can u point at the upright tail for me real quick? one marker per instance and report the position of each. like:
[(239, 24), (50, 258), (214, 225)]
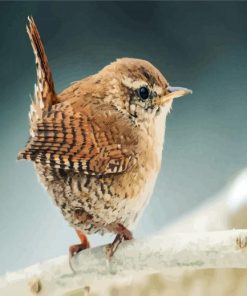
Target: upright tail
[(44, 91)]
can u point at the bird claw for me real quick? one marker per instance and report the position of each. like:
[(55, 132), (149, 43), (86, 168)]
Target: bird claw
[(74, 250), (111, 248), (71, 265)]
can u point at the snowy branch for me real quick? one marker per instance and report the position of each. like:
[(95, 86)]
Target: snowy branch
[(197, 250)]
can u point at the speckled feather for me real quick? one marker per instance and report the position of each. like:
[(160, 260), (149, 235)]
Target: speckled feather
[(96, 147)]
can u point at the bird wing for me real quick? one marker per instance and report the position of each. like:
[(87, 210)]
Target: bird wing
[(95, 143)]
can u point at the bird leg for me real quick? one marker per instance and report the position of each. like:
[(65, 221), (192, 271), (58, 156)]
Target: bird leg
[(74, 249), (122, 234)]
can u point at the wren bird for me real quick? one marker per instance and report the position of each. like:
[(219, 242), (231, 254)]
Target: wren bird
[(97, 145)]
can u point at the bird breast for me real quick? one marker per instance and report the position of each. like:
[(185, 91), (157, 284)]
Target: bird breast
[(149, 164)]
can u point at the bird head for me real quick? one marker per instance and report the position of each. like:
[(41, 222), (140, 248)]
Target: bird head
[(138, 88)]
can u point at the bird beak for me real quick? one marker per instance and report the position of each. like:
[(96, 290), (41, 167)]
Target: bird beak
[(173, 92)]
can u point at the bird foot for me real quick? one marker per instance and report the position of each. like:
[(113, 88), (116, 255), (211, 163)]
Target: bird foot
[(111, 248), (122, 234), (75, 249)]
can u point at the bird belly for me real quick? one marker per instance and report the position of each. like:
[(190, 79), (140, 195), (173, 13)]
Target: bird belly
[(140, 202), (92, 204)]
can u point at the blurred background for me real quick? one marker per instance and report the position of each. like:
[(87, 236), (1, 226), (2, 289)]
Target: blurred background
[(202, 46)]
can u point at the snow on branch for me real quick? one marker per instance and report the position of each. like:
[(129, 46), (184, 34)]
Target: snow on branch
[(197, 250)]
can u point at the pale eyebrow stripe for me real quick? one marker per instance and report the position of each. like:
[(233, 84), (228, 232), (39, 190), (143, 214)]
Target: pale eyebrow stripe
[(134, 84)]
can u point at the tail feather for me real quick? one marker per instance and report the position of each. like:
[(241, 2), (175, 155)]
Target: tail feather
[(44, 91)]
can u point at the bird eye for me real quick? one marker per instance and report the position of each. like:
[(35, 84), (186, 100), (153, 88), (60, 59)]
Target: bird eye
[(144, 92)]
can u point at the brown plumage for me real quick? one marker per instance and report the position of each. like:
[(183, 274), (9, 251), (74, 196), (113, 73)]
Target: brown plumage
[(97, 145)]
